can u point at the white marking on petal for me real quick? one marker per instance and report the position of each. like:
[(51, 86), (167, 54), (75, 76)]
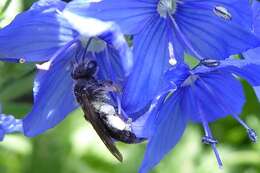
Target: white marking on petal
[(87, 27), (44, 66), (172, 59)]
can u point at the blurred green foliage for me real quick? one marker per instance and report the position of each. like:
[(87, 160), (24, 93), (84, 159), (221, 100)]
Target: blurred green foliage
[(74, 147)]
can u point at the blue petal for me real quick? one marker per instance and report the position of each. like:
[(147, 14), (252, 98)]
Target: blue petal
[(8, 124), (219, 94), (110, 65), (212, 36), (47, 4), (256, 19), (36, 34), (255, 53), (131, 15), (144, 126), (170, 125), (177, 74), (248, 69), (118, 49), (257, 91), (249, 72), (54, 98), (150, 63), (252, 54)]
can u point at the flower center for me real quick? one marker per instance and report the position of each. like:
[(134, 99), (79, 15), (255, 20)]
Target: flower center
[(93, 44), (166, 7), (190, 80)]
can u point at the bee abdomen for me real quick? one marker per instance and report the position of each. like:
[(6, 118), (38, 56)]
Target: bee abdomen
[(125, 136), (116, 126)]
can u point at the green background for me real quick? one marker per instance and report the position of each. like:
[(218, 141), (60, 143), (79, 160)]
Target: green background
[(74, 147)]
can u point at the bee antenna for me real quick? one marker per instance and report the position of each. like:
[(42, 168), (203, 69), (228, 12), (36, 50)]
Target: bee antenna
[(86, 49), (77, 55)]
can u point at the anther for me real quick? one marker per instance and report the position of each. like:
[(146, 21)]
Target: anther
[(250, 132), (222, 12), (21, 60), (209, 140), (252, 135), (210, 62)]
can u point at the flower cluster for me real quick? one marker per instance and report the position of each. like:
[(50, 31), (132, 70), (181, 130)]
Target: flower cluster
[(159, 92)]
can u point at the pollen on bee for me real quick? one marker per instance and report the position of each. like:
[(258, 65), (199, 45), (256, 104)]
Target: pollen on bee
[(222, 12)]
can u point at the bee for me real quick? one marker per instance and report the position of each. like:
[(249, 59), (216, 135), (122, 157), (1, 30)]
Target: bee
[(93, 97)]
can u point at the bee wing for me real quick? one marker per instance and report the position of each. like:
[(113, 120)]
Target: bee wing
[(100, 128)]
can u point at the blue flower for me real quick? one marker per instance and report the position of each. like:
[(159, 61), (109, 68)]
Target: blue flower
[(212, 29), (8, 124), (46, 32), (255, 53), (204, 94)]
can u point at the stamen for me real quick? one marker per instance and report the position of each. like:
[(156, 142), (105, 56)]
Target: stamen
[(209, 140), (252, 135), (222, 12), (184, 39), (22, 60), (172, 59), (210, 62), (250, 132)]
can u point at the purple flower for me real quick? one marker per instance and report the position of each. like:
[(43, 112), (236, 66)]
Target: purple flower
[(255, 53)]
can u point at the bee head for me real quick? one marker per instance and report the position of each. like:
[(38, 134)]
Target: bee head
[(84, 70)]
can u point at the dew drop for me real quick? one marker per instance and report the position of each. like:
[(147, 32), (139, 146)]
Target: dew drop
[(222, 12)]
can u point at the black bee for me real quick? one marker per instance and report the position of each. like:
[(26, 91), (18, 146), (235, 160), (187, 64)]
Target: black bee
[(92, 95)]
